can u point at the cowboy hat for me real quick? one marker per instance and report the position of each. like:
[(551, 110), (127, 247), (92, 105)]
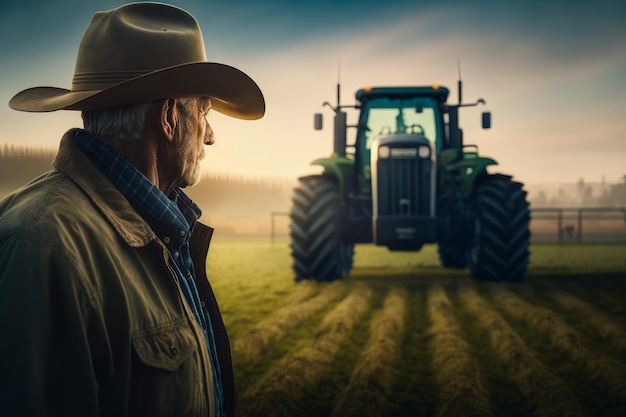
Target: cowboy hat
[(141, 52)]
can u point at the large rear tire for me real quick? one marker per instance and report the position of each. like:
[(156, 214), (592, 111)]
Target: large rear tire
[(451, 254), (316, 230), (499, 249), (451, 247)]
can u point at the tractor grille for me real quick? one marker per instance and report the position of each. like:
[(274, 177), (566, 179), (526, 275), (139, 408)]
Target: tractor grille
[(404, 184)]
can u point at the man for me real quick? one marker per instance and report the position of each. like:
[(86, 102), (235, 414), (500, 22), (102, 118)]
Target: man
[(105, 308)]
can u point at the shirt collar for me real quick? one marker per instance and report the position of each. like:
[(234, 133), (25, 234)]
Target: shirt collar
[(171, 217)]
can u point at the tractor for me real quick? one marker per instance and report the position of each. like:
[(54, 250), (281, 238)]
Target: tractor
[(407, 180)]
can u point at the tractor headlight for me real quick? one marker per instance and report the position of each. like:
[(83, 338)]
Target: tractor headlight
[(424, 152), (383, 152)]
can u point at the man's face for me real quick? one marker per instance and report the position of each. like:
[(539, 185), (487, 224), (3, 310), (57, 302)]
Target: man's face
[(195, 132)]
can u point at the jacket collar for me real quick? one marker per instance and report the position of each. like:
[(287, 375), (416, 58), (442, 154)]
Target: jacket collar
[(71, 161), (172, 217)]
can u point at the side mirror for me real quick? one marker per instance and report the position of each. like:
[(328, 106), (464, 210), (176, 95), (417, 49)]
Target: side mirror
[(486, 120), (318, 121)]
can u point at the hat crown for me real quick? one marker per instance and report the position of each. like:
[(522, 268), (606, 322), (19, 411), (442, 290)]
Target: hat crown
[(141, 52), (133, 40)]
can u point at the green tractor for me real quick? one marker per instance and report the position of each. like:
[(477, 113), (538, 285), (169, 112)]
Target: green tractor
[(408, 180)]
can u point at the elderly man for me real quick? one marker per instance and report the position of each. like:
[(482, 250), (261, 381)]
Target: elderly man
[(105, 307)]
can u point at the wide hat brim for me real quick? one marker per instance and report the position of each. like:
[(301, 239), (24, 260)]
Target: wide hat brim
[(232, 92)]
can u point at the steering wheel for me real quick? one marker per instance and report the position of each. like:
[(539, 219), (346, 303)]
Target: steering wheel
[(416, 129)]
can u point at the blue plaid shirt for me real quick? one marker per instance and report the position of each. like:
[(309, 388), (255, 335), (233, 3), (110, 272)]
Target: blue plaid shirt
[(171, 218)]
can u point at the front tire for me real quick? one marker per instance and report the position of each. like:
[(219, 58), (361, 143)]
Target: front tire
[(317, 216), (499, 249)]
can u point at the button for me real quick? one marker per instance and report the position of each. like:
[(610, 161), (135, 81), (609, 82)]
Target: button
[(173, 350), (177, 254), (166, 239), (182, 233)]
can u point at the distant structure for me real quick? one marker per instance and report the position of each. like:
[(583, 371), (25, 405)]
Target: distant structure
[(581, 194)]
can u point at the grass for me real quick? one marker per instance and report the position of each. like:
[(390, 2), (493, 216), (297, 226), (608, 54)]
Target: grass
[(278, 392), (415, 339), (577, 259), (462, 389), (372, 380), (566, 339), (263, 334), (604, 326), (547, 393)]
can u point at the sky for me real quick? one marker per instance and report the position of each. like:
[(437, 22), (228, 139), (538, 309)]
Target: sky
[(552, 73)]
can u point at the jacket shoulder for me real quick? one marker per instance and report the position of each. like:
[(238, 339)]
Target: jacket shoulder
[(43, 205)]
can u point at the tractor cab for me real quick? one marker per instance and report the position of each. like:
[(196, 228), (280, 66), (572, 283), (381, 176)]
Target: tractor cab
[(399, 133), (390, 111)]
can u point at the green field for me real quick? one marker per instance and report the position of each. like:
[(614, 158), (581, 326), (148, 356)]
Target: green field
[(403, 337)]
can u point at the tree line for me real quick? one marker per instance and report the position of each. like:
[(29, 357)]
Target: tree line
[(220, 193), (582, 194), (20, 164)]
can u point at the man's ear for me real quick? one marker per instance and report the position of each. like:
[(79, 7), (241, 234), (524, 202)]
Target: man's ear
[(168, 119)]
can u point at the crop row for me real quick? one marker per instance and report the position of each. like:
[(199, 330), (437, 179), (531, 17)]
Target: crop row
[(485, 349)]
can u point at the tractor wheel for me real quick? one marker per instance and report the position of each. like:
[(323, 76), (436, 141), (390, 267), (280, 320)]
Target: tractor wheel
[(451, 254), (499, 249), (451, 249), (317, 247)]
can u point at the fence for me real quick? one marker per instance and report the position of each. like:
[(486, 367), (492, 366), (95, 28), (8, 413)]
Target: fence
[(583, 215), (564, 232), (273, 216)]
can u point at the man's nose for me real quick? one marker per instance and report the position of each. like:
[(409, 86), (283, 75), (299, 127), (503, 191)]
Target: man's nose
[(209, 137)]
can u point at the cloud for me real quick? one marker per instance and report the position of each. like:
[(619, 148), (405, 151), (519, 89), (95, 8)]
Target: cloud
[(551, 113), (553, 73)]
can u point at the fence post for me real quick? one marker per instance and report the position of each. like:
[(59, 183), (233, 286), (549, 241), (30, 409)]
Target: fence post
[(580, 225), (272, 215), (272, 228)]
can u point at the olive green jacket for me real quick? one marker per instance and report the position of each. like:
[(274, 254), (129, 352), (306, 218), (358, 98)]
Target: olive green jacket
[(93, 321)]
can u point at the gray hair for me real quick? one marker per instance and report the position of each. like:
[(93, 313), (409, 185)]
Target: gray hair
[(187, 104), (125, 122)]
